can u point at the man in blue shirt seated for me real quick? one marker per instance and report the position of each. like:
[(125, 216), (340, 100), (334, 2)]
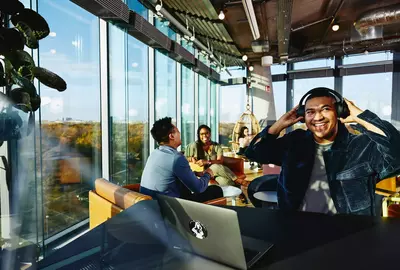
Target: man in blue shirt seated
[(167, 171)]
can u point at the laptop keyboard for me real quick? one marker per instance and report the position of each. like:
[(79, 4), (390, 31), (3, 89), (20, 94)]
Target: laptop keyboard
[(249, 254)]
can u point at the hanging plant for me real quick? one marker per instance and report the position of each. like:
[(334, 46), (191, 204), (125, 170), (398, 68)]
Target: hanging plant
[(18, 69)]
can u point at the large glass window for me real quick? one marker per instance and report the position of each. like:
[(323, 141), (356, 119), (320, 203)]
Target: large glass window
[(318, 63), (365, 58), (70, 139), (165, 80), (232, 105), (128, 106), (278, 69), (302, 86), (370, 91), (279, 90), (213, 110), (203, 100), (188, 129), (237, 72)]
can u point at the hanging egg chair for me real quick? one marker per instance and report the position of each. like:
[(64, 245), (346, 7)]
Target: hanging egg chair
[(248, 120)]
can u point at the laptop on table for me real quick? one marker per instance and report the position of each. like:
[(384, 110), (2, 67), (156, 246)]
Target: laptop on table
[(210, 232)]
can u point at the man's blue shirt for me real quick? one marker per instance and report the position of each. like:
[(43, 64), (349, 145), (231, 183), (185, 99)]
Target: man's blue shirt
[(165, 172)]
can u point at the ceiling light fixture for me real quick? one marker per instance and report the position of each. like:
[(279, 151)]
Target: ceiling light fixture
[(159, 6), (251, 68), (251, 17), (335, 27), (221, 15), (244, 57)]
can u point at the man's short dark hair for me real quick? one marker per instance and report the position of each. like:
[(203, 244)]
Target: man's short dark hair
[(161, 130), (321, 94)]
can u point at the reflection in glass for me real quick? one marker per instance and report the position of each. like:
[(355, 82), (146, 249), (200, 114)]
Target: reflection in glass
[(165, 79), (128, 107), (279, 90), (237, 72), (165, 87), (370, 57), (203, 101), (213, 111), (232, 105), (70, 141), (187, 91), (370, 91), (319, 63), (278, 69)]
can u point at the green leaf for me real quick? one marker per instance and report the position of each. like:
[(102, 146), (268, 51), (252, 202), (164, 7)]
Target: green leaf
[(21, 99), (35, 103), (11, 7), (10, 40), (19, 59), (32, 19), (24, 83), (30, 39), (49, 78), (3, 81)]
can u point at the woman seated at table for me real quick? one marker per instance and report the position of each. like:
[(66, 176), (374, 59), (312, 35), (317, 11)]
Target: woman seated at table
[(206, 153)]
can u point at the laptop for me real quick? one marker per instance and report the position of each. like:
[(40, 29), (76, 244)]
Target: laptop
[(209, 231)]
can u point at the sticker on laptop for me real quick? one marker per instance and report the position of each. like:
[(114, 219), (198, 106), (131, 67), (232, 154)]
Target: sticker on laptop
[(197, 229)]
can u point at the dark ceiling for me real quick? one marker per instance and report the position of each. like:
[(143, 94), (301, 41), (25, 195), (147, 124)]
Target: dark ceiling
[(309, 33)]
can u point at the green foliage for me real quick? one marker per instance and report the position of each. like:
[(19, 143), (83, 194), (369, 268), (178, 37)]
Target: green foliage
[(18, 69)]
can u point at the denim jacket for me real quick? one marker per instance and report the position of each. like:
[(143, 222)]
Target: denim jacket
[(354, 164)]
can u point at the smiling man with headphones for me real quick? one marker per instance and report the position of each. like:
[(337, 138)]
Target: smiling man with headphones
[(326, 169)]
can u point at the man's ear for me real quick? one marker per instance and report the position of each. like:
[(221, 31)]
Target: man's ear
[(171, 136)]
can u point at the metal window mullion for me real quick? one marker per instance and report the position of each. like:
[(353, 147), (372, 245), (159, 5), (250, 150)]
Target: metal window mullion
[(217, 98), (151, 93), (289, 93), (178, 92), (338, 80), (196, 100), (208, 108), (105, 102)]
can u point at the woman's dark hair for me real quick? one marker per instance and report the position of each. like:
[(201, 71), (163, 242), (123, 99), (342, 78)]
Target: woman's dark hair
[(199, 143), (161, 130), (241, 132)]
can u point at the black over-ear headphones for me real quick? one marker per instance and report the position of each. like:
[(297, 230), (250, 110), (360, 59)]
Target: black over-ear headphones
[(341, 106)]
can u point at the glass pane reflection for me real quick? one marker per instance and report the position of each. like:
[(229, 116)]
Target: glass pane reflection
[(70, 139), (187, 130)]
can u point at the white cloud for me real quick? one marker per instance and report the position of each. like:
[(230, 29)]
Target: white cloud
[(133, 112), (186, 108), (56, 105), (45, 101), (160, 104)]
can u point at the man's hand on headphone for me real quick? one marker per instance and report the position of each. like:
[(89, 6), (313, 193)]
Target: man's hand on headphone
[(354, 112), (288, 119)]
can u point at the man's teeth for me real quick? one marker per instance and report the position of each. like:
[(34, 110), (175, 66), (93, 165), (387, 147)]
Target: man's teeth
[(318, 125)]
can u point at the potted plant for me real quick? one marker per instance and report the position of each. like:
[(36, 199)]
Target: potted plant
[(20, 27)]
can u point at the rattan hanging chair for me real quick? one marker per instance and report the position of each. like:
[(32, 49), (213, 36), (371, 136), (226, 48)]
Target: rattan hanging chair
[(246, 119)]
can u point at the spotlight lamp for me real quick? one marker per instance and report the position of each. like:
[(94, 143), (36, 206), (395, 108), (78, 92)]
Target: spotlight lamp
[(335, 27), (251, 68), (221, 15), (159, 6), (244, 57)]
